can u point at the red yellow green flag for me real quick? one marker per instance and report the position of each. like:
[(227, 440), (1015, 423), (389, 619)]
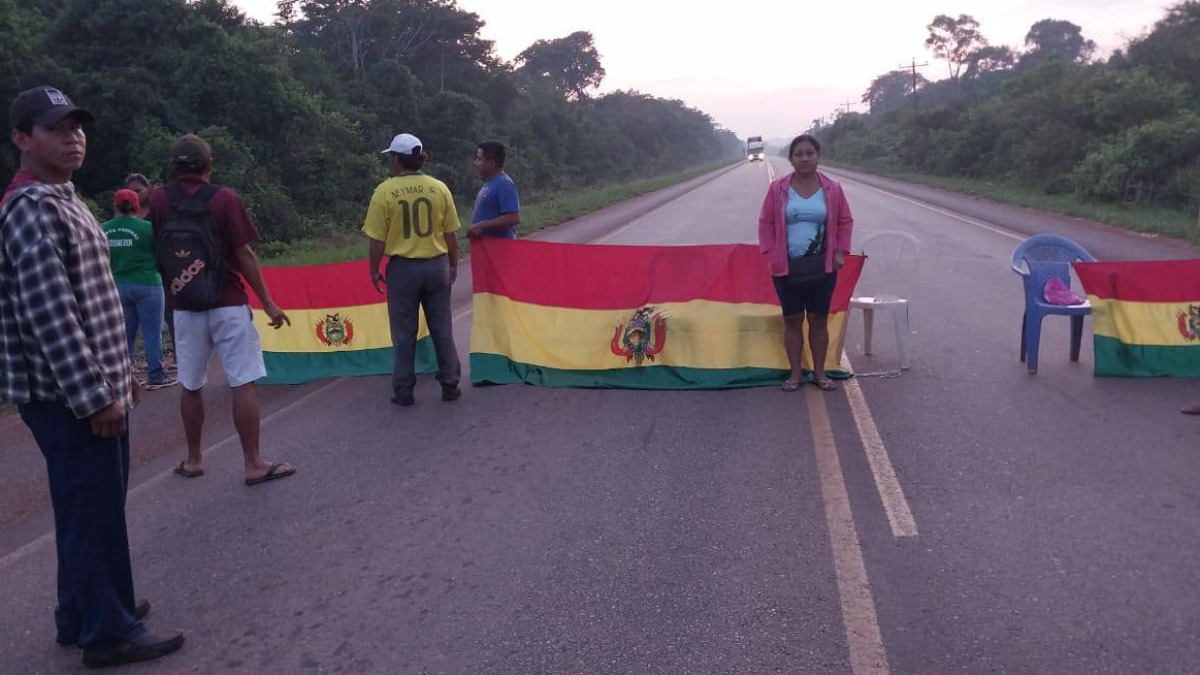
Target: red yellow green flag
[(1145, 316), (339, 325), (639, 317)]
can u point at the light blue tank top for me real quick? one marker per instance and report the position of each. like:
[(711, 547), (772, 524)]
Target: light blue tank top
[(805, 221)]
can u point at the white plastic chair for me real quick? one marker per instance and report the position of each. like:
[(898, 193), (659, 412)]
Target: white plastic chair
[(886, 284)]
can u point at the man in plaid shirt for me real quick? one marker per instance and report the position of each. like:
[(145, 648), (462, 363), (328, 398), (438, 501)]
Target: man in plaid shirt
[(65, 363)]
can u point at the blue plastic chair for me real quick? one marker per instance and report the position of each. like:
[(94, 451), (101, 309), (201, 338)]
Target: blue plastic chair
[(1038, 260)]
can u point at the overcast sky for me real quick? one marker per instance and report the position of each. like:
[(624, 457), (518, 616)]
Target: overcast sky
[(769, 67)]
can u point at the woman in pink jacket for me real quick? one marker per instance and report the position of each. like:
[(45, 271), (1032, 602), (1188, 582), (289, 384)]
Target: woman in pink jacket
[(804, 233)]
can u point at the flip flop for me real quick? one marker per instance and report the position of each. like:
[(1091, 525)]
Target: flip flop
[(187, 473), (790, 385), (272, 474), (826, 385)]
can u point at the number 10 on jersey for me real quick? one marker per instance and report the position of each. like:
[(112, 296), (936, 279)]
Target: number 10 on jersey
[(416, 217)]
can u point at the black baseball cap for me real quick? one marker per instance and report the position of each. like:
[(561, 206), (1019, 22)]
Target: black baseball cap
[(44, 107)]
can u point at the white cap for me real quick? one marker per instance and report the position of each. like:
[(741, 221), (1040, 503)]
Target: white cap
[(403, 144)]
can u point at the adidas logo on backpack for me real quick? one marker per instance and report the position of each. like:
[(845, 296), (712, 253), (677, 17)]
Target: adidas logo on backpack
[(189, 250)]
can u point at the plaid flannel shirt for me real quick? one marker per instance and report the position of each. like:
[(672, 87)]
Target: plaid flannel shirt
[(62, 331)]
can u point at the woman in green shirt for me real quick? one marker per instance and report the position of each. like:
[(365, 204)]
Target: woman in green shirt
[(142, 186), (131, 252)]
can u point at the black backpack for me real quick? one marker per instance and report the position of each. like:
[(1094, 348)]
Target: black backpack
[(188, 248)]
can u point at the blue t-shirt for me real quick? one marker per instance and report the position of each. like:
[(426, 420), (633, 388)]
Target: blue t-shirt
[(805, 221), (497, 197)]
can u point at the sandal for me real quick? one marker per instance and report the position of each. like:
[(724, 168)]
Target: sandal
[(274, 472), (181, 470), (826, 385), (790, 385)]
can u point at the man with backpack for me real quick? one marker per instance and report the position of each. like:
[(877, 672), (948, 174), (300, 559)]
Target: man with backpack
[(202, 236)]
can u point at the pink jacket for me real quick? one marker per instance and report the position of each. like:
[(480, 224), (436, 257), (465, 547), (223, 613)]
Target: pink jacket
[(772, 224)]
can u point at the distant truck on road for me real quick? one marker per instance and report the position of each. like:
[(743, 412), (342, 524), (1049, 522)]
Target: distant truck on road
[(755, 149)]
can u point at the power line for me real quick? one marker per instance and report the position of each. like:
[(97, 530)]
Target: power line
[(913, 66)]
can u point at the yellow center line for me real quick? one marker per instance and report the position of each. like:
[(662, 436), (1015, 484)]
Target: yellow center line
[(867, 655)]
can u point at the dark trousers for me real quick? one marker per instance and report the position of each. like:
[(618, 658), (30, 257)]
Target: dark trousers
[(88, 479), (413, 284)]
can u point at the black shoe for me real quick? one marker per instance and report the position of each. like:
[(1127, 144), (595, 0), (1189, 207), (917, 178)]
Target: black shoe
[(403, 399), (451, 393), (145, 647), (140, 611)]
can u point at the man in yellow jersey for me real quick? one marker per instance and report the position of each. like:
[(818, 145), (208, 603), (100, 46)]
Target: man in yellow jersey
[(412, 220)]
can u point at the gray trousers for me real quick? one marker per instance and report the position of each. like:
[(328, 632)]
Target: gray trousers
[(412, 284)]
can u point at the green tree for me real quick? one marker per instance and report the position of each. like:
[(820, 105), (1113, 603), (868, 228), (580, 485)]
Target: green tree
[(340, 28), (1051, 39), (22, 63), (988, 60), (571, 64), (1123, 99), (1172, 49), (889, 90), (1162, 152), (954, 40), (452, 125)]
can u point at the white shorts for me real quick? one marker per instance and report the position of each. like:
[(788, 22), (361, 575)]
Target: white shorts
[(229, 330)]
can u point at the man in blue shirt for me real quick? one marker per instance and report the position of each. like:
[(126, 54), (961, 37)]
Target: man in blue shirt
[(497, 206)]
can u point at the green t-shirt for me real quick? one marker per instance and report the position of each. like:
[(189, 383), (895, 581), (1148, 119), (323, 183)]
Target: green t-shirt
[(131, 251)]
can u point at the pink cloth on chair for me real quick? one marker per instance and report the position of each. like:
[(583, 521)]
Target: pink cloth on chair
[(1058, 293)]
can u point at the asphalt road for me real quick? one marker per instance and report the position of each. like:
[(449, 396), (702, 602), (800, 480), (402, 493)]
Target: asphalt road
[(1054, 518)]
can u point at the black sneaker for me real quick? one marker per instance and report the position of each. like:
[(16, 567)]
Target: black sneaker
[(140, 611), (151, 385), (145, 647), (451, 393), (403, 399)]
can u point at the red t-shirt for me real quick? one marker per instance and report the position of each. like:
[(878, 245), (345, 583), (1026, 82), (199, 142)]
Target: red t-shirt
[(236, 231), (21, 179)]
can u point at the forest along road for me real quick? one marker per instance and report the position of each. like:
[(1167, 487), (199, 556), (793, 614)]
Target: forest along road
[(964, 517)]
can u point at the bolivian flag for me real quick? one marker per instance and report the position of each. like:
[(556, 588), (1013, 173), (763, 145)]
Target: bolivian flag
[(1145, 316), (638, 317), (339, 325)]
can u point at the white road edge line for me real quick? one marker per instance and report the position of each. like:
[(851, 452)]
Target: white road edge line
[(949, 214), (48, 537), (859, 618), (895, 504), (144, 485)]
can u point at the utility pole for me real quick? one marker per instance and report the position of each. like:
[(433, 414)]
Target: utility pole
[(847, 106), (913, 66)]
